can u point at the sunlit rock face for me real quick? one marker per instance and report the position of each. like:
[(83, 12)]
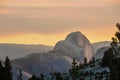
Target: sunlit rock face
[(75, 45), (60, 58)]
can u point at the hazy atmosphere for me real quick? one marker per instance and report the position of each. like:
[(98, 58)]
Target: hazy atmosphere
[(48, 21), (59, 39)]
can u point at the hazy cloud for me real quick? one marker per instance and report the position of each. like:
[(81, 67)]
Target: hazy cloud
[(56, 16)]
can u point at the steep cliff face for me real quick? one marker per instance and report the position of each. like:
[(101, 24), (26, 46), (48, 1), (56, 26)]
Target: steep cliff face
[(60, 58), (75, 45)]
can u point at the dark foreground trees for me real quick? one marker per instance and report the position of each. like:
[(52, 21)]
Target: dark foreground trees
[(34, 78), (5, 70), (74, 71), (111, 57)]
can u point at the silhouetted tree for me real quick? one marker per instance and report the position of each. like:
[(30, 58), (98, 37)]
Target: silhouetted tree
[(117, 34), (92, 61), (41, 76), (109, 59), (65, 76), (1, 71), (34, 78), (85, 61), (58, 76), (114, 41), (118, 26), (74, 70), (8, 68), (86, 73), (20, 75)]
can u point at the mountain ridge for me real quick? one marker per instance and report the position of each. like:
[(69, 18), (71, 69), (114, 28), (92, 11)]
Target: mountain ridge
[(62, 54), (20, 50)]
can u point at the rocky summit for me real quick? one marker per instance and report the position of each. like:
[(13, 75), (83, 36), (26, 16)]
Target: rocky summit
[(75, 45)]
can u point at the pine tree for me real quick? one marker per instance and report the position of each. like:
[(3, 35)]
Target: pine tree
[(58, 76), (117, 34), (93, 61), (109, 59), (8, 68), (74, 70), (114, 41), (34, 78), (41, 76), (1, 71), (7, 63), (118, 26), (20, 75), (85, 61), (65, 76)]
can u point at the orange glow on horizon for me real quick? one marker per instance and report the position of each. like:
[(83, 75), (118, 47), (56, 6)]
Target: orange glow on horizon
[(31, 38), (52, 39), (49, 21)]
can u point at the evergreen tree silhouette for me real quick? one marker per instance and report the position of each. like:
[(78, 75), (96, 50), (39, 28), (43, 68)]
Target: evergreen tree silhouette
[(93, 61), (74, 70), (34, 78), (117, 34), (58, 76), (85, 61), (110, 56), (1, 71), (20, 75), (118, 26), (41, 76), (7, 68)]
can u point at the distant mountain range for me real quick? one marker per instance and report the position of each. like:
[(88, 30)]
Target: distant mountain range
[(99, 45), (100, 52), (100, 48), (20, 50)]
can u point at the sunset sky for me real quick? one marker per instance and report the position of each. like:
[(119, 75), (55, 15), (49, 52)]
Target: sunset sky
[(48, 21)]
